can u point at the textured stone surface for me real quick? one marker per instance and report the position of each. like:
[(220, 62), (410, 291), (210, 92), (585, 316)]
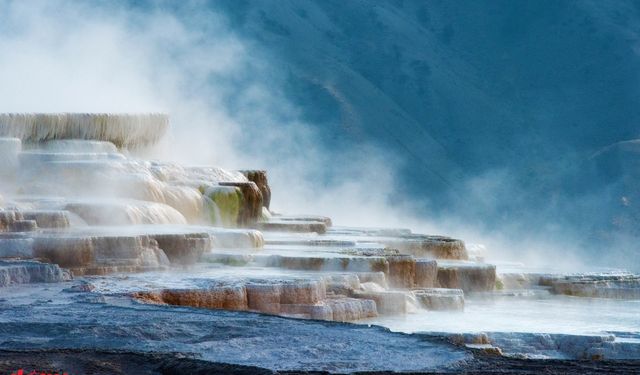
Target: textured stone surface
[(440, 299), (236, 238), (126, 213), (310, 218), (16, 245), (387, 302), (123, 130), (23, 226), (596, 286), (100, 254), (223, 297), (298, 226), (435, 247), (251, 207), (24, 272), (66, 251), (7, 218), (184, 248), (48, 218), (426, 273), (351, 264), (402, 271), (259, 178), (468, 276)]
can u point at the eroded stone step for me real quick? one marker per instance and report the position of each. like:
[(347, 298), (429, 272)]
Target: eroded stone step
[(302, 298), (299, 226), (468, 276), (304, 218), (402, 271), (29, 271), (618, 286), (440, 299), (591, 285), (123, 130), (426, 246), (86, 251)]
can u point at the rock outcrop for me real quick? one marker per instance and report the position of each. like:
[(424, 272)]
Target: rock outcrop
[(302, 298), (251, 202), (25, 272), (468, 276), (260, 179), (123, 130)]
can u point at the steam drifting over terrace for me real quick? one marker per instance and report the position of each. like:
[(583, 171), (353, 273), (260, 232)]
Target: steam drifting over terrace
[(123, 130)]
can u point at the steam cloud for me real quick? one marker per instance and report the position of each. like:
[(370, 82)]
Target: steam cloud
[(226, 109)]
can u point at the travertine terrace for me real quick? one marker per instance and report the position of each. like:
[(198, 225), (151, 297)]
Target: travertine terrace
[(79, 205)]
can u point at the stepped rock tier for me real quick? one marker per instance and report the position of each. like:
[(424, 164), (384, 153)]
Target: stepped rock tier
[(123, 130), (79, 209)]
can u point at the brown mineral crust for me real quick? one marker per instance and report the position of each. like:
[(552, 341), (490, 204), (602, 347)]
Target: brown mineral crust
[(387, 302), (435, 247), (184, 248), (48, 219), (68, 252), (24, 226), (251, 208), (259, 177), (223, 297), (7, 218), (293, 226), (440, 299), (426, 273), (302, 292), (264, 297), (402, 271), (468, 277)]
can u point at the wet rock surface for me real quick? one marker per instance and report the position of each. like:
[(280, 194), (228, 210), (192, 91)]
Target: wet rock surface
[(301, 226), (440, 299), (219, 336), (260, 179), (596, 286), (172, 261), (468, 276), (26, 271), (102, 362), (250, 203)]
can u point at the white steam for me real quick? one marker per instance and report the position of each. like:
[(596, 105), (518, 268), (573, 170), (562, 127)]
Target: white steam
[(66, 56)]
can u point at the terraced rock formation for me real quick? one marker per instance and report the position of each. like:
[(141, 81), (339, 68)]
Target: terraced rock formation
[(78, 205)]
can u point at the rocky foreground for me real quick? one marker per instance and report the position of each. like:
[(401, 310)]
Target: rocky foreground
[(108, 262)]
